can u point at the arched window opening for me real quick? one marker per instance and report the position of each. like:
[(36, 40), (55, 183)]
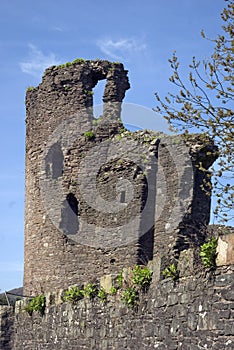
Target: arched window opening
[(98, 92)]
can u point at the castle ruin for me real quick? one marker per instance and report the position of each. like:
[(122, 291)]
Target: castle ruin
[(81, 239), (101, 199)]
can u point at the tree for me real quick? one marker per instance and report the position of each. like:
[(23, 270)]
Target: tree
[(204, 103)]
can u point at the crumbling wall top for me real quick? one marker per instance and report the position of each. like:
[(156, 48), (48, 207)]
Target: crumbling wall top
[(84, 75)]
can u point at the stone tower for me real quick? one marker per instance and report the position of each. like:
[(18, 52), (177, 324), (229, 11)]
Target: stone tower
[(99, 198)]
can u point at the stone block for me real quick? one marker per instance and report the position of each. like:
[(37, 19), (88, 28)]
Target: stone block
[(225, 250), (186, 262), (106, 282)]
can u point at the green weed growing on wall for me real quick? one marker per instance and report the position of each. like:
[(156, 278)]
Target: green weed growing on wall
[(90, 290), (208, 252), (130, 296), (171, 272), (128, 288), (89, 92), (102, 294), (142, 277), (38, 304), (78, 60), (68, 64), (30, 88), (89, 135), (113, 291), (73, 294)]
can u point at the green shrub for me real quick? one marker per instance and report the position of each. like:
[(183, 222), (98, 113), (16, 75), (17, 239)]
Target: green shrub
[(208, 252), (142, 277), (123, 129), (102, 294), (90, 290), (79, 60), (171, 272), (130, 296), (68, 64), (89, 135), (73, 294), (113, 291), (30, 88), (38, 304)]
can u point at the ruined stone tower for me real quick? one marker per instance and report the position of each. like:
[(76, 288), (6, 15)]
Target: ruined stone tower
[(98, 197)]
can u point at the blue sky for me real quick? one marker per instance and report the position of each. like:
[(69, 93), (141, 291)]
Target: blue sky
[(35, 35)]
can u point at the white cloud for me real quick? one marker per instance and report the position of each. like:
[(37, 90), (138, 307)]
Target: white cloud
[(58, 29), (120, 49), (38, 62)]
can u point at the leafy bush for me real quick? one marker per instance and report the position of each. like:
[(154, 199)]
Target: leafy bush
[(73, 294), (113, 291), (78, 60), (89, 135), (90, 290), (68, 64), (102, 294), (142, 277), (171, 272), (208, 252), (38, 303), (130, 296), (30, 88), (123, 129)]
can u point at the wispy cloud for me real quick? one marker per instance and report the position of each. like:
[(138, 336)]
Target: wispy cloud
[(58, 29), (37, 61), (121, 49)]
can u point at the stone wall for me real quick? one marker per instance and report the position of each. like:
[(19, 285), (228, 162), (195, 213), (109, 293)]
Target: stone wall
[(197, 312), (146, 203), (6, 327)]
